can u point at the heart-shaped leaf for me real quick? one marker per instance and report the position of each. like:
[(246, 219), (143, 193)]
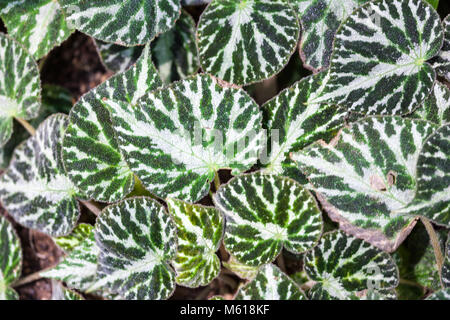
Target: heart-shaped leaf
[(200, 231), (270, 284), (126, 23), (320, 21), (442, 62), (343, 265), (379, 62), (176, 138), (35, 189), (39, 25), (243, 42), (265, 213), (118, 58), (137, 239), (90, 152), (436, 108), (10, 260), (368, 175), (20, 86), (75, 238)]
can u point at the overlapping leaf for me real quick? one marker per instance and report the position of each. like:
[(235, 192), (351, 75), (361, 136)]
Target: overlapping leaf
[(10, 260), (127, 22), (442, 62), (436, 108), (379, 63), (118, 58), (368, 175), (39, 25), (75, 238), (247, 41), (174, 139), (343, 265), (137, 239), (243, 271), (265, 213), (35, 189), (20, 86), (61, 293), (320, 21), (270, 284), (90, 150)]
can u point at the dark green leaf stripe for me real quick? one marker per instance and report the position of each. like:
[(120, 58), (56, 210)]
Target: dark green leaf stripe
[(174, 139), (35, 189), (442, 62), (247, 41), (200, 231), (137, 239), (443, 294), (343, 265), (320, 20), (20, 86), (118, 58), (10, 259), (75, 238), (39, 25), (367, 175), (90, 151), (265, 213), (379, 63), (270, 284), (436, 108), (129, 22)]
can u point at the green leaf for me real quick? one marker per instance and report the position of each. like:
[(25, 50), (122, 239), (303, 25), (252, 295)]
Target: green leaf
[(343, 265), (35, 189), (297, 123), (442, 62), (443, 294), (39, 25), (61, 293), (176, 138), (434, 3), (266, 213), (243, 271), (78, 235), (320, 21), (20, 86), (247, 41), (200, 231), (445, 272), (379, 62), (436, 108), (137, 239), (10, 259), (118, 58), (126, 23), (367, 175), (90, 151), (175, 51), (270, 284)]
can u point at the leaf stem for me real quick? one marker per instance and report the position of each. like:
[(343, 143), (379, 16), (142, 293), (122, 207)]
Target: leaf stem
[(216, 180), (27, 126), (92, 206), (31, 277), (434, 242)]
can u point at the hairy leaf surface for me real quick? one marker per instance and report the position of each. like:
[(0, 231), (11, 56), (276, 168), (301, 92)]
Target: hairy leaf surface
[(10, 259)]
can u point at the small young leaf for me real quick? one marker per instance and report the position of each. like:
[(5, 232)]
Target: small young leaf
[(243, 271), (343, 265), (270, 284), (247, 41), (10, 259), (443, 294), (200, 231), (118, 58), (266, 213), (78, 235), (137, 239), (35, 189), (174, 139), (39, 25), (127, 23), (20, 86), (442, 62), (436, 108)]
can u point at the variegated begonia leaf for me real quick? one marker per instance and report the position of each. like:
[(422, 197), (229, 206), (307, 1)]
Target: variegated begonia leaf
[(175, 139), (270, 284), (78, 270), (39, 25), (137, 239), (35, 189), (320, 20), (175, 51), (10, 259), (200, 230), (442, 62), (445, 272), (247, 41), (118, 58), (90, 151), (126, 23), (343, 265), (75, 238), (368, 174), (293, 122), (20, 86), (265, 213), (436, 108), (379, 62), (61, 293), (443, 294), (243, 271)]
